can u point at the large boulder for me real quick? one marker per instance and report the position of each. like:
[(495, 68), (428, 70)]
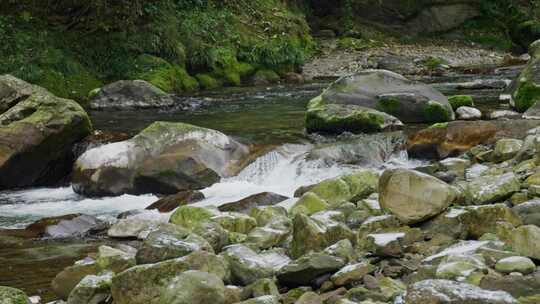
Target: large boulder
[(143, 284), (524, 240), (448, 139), (338, 108), (165, 158), (130, 94), (525, 91), (450, 292), (37, 134), (491, 188), (413, 196)]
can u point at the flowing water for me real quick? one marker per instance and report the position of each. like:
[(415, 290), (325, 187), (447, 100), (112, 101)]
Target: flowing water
[(269, 117)]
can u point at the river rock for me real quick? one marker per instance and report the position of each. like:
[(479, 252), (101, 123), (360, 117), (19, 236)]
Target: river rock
[(115, 260), (143, 284), (304, 270), (524, 240), (315, 234), (458, 101), (515, 284), (413, 196), (491, 188), (67, 279), (194, 287), (65, 226), (351, 273), (171, 202), (460, 266), (246, 265), (525, 91), (506, 149), (245, 205), (504, 114), (262, 300), (515, 264), (126, 94), (191, 216), (169, 242), (9, 295), (132, 228), (164, 158), (529, 212), (37, 134), (235, 222), (91, 289), (468, 113), (449, 292), (382, 90)]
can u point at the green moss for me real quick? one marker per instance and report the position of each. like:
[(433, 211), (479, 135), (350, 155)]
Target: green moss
[(433, 62), (349, 43), (207, 81), (13, 296), (435, 112), (439, 125), (457, 101), (390, 105), (169, 77), (526, 95)]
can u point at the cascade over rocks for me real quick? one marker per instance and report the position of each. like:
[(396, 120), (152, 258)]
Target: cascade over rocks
[(37, 133), (164, 158), (375, 100)]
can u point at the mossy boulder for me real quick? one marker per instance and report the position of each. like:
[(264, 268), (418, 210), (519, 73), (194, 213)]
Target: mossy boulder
[(208, 82), (125, 94), (309, 204), (519, 264), (457, 101), (92, 289), (37, 134), (337, 118), (144, 284), (491, 188), (165, 157), (190, 216), (354, 103), (169, 77), (525, 91), (10, 295), (265, 77), (194, 287), (67, 279)]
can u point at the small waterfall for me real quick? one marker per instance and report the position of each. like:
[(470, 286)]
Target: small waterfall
[(290, 166)]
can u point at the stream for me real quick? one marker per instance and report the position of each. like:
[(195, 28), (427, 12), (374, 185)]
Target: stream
[(269, 117)]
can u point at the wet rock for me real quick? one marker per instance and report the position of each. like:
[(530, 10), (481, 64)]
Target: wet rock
[(468, 113), (131, 228), (65, 226), (294, 78), (67, 279), (235, 222), (267, 237), (164, 158), (310, 298), (517, 285), (390, 243), (491, 188), (504, 114), (143, 284), (91, 289), (398, 64), (126, 94), (262, 287), (460, 266), (525, 92), (351, 273), (37, 134), (213, 233), (169, 242), (310, 234), (529, 212), (515, 264), (303, 271), (257, 200), (413, 196), (524, 240), (10, 295), (506, 149), (190, 216), (262, 300), (246, 265), (115, 260), (447, 292), (194, 287), (458, 101), (171, 202)]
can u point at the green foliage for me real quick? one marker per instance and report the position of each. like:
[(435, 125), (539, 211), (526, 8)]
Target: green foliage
[(349, 43), (207, 81), (433, 62)]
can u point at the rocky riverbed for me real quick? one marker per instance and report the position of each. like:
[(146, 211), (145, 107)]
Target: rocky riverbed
[(401, 189)]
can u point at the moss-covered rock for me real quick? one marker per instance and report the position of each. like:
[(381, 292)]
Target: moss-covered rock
[(92, 289), (457, 101), (190, 216), (10, 295), (208, 82), (37, 135), (194, 287)]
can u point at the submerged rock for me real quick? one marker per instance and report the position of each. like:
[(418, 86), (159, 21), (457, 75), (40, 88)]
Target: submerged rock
[(450, 292), (163, 158), (245, 205), (125, 94), (37, 134), (171, 202), (413, 196), (375, 100)]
